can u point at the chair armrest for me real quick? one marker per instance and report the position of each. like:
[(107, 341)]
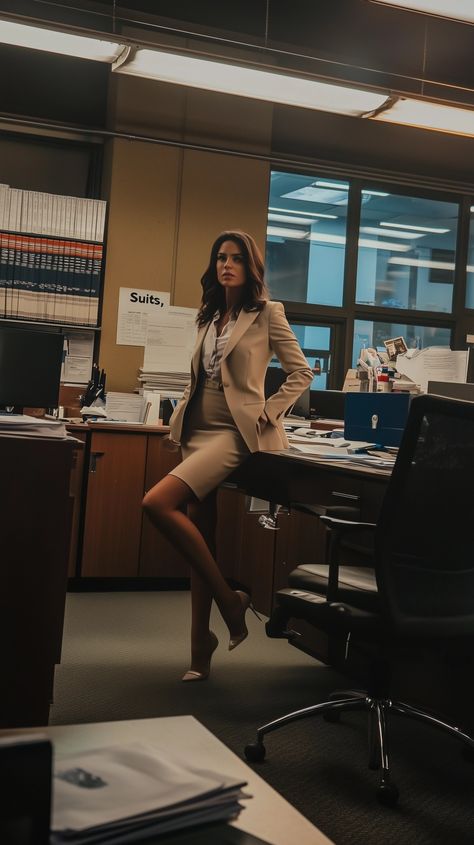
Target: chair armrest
[(337, 529), (346, 524)]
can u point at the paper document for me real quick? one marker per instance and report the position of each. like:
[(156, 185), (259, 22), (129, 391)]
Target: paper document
[(126, 407), (25, 426), (136, 307), (435, 363), (170, 340), (108, 793)]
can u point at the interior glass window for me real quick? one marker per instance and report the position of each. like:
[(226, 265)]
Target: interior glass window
[(368, 333), (407, 252), (315, 341), (306, 238)]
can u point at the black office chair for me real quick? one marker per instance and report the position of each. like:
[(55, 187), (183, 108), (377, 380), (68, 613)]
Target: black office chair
[(424, 571)]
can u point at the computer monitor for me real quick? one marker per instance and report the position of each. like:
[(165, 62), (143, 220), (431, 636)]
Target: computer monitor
[(329, 404), (452, 389), (30, 368), (274, 378)]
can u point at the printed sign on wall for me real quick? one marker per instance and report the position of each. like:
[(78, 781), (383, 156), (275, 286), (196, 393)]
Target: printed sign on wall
[(135, 306)]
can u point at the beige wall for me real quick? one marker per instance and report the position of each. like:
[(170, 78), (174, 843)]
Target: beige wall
[(167, 205)]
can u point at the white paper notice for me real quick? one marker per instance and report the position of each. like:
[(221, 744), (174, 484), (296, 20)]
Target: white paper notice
[(435, 363), (136, 306), (170, 340)]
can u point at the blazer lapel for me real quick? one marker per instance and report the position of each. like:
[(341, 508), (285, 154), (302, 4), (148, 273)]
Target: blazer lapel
[(244, 320), (196, 359)]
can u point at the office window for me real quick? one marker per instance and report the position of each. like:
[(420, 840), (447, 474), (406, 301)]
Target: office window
[(407, 249), (306, 238), (470, 265), (368, 333), (315, 341)]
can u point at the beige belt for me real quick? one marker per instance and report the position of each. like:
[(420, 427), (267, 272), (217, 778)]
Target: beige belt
[(210, 382)]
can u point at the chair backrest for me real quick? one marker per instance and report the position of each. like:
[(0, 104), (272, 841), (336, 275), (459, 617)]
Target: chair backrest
[(425, 533)]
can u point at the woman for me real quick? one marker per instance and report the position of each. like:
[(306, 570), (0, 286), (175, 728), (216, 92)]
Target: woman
[(221, 419)]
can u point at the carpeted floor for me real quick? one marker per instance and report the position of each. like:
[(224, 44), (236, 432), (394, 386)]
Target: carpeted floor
[(123, 656)]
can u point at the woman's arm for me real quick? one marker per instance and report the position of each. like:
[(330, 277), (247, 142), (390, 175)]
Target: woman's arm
[(288, 351)]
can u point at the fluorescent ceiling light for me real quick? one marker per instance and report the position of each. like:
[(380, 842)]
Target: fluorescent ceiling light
[(306, 213), (426, 115), (249, 82), (431, 229), (422, 262), (383, 245), (287, 218), (338, 186), (471, 208), (323, 237), (461, 10), (281, 232), (52, 41), (390, 233)]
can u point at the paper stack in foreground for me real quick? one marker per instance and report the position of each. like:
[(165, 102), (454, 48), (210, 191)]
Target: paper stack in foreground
[(114, 793)]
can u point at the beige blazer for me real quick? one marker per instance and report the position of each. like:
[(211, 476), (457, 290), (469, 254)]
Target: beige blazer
[(256, 337)]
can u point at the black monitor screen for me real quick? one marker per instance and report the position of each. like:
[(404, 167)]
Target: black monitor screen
[(274, 378), (30, 368)]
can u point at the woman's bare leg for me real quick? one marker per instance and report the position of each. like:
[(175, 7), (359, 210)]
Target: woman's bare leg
[(204, 516), (163, 505)]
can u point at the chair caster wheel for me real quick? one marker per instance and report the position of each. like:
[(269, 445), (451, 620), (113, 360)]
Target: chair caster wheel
[(255, 752), (332, 716), (387, 794)]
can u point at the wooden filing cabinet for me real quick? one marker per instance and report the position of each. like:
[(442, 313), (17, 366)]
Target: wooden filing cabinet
[(113, 515)]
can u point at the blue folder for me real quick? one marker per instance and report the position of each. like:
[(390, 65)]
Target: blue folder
[(376, 417)]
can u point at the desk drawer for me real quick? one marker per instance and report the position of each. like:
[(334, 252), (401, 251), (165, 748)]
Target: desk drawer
[(328, 490)]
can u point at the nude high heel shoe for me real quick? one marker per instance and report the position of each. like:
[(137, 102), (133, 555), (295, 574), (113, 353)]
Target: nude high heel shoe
[(246, 605), (193, 674)]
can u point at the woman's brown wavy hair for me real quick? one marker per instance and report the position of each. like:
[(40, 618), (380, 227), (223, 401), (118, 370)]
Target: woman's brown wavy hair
[(255, 291)]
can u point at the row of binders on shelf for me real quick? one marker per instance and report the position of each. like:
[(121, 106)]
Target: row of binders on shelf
[(60, 216), (51, 256)]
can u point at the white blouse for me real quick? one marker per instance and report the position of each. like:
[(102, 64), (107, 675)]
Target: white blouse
[(213, 348)]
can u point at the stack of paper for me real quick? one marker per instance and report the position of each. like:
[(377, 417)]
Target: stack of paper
[(434, 363), (170, 340), (20, 425), (119, 793)]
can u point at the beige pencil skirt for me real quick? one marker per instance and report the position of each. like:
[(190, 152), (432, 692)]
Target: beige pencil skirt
[(211, 444)]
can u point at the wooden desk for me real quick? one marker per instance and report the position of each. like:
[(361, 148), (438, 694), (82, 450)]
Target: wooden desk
[(266, 815), (35, 523)]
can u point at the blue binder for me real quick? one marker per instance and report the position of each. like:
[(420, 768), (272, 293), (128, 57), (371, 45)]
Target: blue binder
[(376, 417)]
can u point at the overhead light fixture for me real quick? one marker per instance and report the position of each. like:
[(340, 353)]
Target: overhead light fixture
[(65, 43), (427, 115), (375, 193), (306, 213), (460, 10), (422, 262), (337, 186), (323, 237), (390, 233), (281, 232), (248, 82), (287, 218), (431, 229)]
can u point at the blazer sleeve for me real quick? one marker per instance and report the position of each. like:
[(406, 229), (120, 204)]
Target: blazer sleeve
[(288, 351)]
